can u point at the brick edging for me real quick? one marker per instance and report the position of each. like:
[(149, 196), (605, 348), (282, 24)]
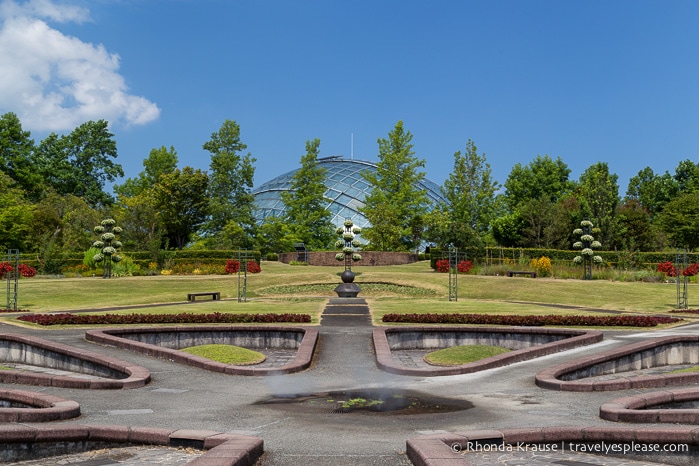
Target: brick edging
[(136, 376), (635, 408), (549, 377), (575, 339), (42, 407), (444, 449), (304, 353), (221, 449)]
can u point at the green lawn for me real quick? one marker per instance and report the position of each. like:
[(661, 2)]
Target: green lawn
[(305, 289)]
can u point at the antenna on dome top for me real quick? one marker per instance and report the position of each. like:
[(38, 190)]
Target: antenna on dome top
[(352, 146)]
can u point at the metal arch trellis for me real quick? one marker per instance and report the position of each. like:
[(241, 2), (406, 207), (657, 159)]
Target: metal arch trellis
[(12, 278), (454, 258), (681, 279), (243, 258)]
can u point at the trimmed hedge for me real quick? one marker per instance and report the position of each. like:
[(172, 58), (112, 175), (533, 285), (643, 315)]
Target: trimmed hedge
[(531, 321), (646, 259), (183, 318)]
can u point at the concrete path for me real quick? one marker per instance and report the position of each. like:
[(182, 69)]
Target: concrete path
[(190, 398)]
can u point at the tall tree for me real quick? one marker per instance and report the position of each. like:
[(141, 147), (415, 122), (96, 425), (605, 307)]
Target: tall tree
[(396, 204), (159, 162), (470, 195), (81, 162), (542, 177), (680, 220), (16, 215), (599, 197), (231, 177), (306, 207), (16, 156), (182, 202), (534, 193), (650, 191)]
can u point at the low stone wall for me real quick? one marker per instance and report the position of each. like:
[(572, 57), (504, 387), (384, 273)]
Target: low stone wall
[(25, 406), (647, 407), (447, 449), (574, 375), (327, 258), (532, 343), (35, 351), (20, 442), (164, 343)]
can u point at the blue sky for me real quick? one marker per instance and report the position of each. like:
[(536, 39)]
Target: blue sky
[(584, 80)]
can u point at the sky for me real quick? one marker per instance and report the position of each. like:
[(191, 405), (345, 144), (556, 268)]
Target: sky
[(584, 80)]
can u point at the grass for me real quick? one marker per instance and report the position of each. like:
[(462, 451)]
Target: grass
[(686, 369), (411, 288), (226, 354), (463, 354)]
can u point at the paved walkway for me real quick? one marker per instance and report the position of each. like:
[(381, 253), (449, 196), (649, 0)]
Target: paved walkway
[(190, 398)]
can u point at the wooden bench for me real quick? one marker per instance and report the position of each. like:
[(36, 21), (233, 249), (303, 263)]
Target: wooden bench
[(512, 273), (215, 295)]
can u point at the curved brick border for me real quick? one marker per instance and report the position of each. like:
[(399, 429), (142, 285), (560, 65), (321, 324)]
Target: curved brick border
[(634, 408), (134, 376), (442, 449), (572, 339), (221, 449), (43, 407), (549, 378), (304, 353)]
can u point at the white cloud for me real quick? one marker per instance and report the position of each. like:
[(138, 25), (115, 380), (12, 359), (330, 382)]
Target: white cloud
[(56, 82)]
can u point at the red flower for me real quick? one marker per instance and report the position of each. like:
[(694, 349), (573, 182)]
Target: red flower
[(464, 266), (254, 267), (232, 266), (442, 265)]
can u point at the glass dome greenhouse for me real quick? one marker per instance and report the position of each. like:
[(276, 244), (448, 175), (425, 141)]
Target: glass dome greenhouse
[(345, 193)]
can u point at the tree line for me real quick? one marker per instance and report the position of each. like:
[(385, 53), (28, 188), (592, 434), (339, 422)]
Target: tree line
[(53, 192)]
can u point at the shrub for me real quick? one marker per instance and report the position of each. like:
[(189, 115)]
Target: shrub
[(532, 320), (464, 266), (667, 268), (691, 270), (254, 267), (232, 266), (272, 257), (183, 318), (24, 269), (543, 266), (442, 265)]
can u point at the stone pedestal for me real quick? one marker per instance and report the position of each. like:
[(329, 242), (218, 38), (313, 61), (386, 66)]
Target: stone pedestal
[(347, 289)]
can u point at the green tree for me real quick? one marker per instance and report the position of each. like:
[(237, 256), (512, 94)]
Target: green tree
[(230, 181), (16, 156), (80, 163), (395, 205), (634, 230), (687, 176), (534, 196), (680, 220), (159, 162), (543, 177), (599, 198), (16, 215), (471, 203), (182, 203), (275, 235), (650, 191), (306, 211)]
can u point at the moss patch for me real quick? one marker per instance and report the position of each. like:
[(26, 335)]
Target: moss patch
[(457, 355), (226, 354)]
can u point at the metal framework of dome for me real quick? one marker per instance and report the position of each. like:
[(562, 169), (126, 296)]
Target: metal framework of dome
[(345, 193)]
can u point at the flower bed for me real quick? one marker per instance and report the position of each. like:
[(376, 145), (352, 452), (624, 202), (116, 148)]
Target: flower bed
[(531, 321), (183, 318)]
